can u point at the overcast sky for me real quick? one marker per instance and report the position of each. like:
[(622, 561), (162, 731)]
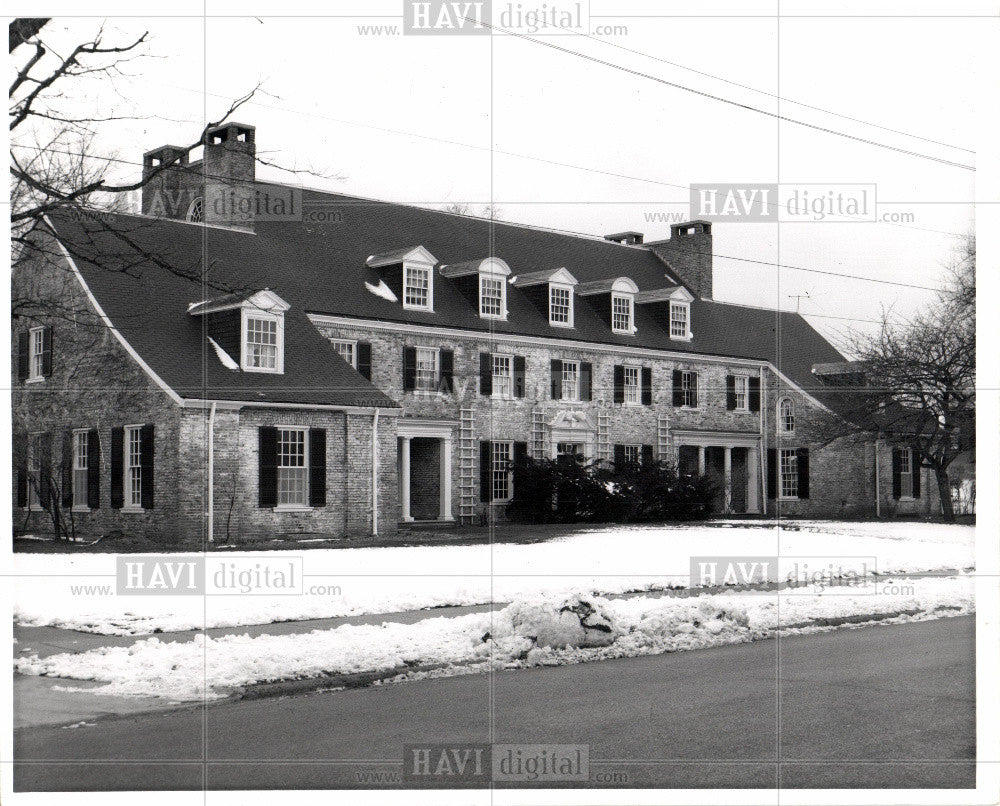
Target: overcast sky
[(413, 118)]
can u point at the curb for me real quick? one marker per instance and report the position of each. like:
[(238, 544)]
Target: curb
[(281, 688)]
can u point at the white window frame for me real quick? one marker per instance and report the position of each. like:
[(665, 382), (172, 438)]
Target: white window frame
[(629, 301), (502, 381), (304, 504), (684, 307), (633, 454), (501, 282), (781, 416), (411, 266), (132, 469), (906, 476), (742, 395), (570, 381), (436, 379), (81, 438), (279, 348), (631, 393), (553, 287), (788, 474), (36, 355), (340, 344), (196, 211), (688, 373), (501, 476)]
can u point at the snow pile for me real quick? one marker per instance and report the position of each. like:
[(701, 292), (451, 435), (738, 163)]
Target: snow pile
[(382, 290), (526, 633)]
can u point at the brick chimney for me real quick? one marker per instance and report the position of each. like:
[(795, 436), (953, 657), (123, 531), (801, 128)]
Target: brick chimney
[(688, 251), (230, 171), (166, 192)]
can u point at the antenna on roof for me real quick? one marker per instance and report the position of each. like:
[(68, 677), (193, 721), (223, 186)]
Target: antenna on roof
[(798, 299)]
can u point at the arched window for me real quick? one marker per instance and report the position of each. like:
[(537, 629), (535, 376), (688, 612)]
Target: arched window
[(196, 212), (786, 415)]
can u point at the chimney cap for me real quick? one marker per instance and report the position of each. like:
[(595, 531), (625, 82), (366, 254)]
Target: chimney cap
[(627, 237), (695, 225), (230, 130)]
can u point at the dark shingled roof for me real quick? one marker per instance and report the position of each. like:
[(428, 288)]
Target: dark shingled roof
[(318, 266)]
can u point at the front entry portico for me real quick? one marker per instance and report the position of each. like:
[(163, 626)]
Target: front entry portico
[(424, 449), (733, 457)]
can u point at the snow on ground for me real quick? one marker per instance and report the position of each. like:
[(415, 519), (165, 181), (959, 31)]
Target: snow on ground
[(393, 579), (529, 632)]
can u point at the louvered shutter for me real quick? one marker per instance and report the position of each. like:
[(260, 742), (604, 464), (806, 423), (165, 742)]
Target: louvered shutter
[(586, 381), (772, 473), (267, 467), (555, 368), (447, 383), (117, 467), (365, 359), (802, 462), (678, 393), (647, 386), (485, 374), (519, 373), (730, 392), (409, 369), (93, 469), (485, 472), (619, 392), (754, 394), (317, 467), (146, 459)]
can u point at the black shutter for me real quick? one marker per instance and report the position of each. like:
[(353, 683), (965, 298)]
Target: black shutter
[(556, 372), (772, 473), (915, 468), (365, 359), (447, 383), (520, 452), (897, 485), (45, 471), (409, 369), (23, 355), (694, 388), (619, 384), (647, 455), (619, 457), (147, 453), (485, 472), (485, 374), (267, 467), (117, 467), (586, 381), (678, 389), (317, 467), (802, 457), (67, 469), (519, 369), (47, 352), (754, 394), (730, 392), (93, 469), (647, 386)]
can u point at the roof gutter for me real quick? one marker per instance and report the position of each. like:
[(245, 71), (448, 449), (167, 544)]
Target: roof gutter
[(199, 403)]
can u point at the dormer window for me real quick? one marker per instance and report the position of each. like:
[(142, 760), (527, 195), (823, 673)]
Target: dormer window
[(492, 296), (418, 291), (250, 328), (560, 305), (621, 313), (680, 320), (483, 282), (261, 342)]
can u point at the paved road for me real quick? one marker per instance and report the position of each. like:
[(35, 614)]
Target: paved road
[(878, 706)]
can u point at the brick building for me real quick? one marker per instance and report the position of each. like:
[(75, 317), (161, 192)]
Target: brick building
[(250, 359)]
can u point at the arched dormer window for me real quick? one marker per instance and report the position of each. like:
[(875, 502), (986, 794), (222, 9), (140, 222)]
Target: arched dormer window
[(786, 415), (196, 212), (623, 293)]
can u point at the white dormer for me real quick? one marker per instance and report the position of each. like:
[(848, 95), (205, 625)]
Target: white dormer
[(261, 323), (491, 283), (417, 275), (678, 300), (622, 292), (559, 295)]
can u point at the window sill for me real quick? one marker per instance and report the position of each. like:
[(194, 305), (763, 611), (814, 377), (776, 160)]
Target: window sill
[(293, 508), (80, 510), (688, 337), (565, 325), (907, 498), (262, 370), (789, 498), (132, 510), (494, 317), (35, 380)]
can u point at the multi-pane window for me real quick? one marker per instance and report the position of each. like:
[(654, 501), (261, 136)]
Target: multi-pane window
[(491, 296), (34, 469), (568, 449), (631, 383), (786, 416), (906, 472), (426, 376), (632, 453), (571, 380), (133, 466), (416, 287), (789, 473), (503, 377), (560, 305), (261, 343), (80, 448), (621, 313), (679, 321), (741, 384), (196, 212), (36, 363), (689, 389), (293, 469), (501, 454), (347, 351)]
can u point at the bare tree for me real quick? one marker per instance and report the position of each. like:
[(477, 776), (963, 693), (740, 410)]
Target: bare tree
[(920, 376)]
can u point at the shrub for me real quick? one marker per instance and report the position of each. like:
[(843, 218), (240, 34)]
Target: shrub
[(571, 489)]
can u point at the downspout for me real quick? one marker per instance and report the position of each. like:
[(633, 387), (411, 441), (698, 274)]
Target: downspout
[(763, 447), (375, 462), (211, 473), (878, 490)]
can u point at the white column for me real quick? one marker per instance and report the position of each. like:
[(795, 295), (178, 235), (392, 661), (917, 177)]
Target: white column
[(404, 477), (701, 460), (753, 481), (445, 465), (727, 476)]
